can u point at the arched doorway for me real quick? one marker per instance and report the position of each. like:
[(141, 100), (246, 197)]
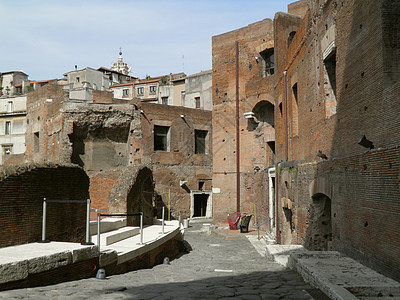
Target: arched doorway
[(320, 231)]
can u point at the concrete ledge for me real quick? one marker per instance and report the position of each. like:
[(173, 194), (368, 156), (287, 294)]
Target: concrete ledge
[(148, 246), (108, 257), (107, 224), (13, 271), (340, 277), (281, 253), (115, 236)]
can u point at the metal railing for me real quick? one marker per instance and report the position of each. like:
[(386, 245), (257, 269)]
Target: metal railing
[(45, 201), (99, 215)]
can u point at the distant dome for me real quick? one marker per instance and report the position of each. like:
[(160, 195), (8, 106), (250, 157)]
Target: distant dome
[(120, 65)]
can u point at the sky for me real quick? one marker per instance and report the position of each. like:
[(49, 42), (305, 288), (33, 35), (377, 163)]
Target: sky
[(47, 38)]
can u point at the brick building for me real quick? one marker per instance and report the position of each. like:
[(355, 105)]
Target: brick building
[(334, 91), (243, 120), (116, 141)]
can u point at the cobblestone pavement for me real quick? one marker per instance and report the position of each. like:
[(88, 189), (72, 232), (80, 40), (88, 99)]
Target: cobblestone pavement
[(216, 268)]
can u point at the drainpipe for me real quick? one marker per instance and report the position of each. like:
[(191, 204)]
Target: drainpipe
[(237, 131), (286, 115), (277, 221)]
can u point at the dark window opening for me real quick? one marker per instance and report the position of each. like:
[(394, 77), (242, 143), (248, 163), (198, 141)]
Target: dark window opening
[(330, 66), (161, 138), (271, 146), (200, 141), (268, 58), (36, 141), (8, 128), (197, 100), (164, 100), (291, 37), (295, 112), (201, 185), (280, 108)]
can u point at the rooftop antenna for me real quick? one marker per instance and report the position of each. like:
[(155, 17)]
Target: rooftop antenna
[(183, 63), (120, 51)]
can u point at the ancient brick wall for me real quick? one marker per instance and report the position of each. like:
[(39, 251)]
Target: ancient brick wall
[(257, 137), (363, 192), (359, 185), (179, 162), (43, 131), (22, 190)]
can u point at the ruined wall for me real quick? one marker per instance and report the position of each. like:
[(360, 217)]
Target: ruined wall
[(179, 162), (363, 215), (331, 113), (257, 140), (22, 189), (44, 124)]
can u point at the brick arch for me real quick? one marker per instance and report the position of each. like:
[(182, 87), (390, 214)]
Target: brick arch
[(264, 112)]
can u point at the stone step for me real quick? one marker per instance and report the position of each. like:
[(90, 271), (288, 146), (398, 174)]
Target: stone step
[(115, 236), (107, 224)]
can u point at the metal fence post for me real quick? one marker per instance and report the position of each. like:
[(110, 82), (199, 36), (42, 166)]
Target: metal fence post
[(98, 230), (163, 209), (43, 240), (141, 228), (87, 242)]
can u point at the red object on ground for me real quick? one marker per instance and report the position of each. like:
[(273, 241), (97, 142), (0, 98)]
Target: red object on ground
[(233, 220)]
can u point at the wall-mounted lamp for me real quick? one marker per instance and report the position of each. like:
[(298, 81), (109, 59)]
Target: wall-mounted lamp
[(141, 111), (321, 155), (363, 141), (251, 116), (256, 58), (183, 182)]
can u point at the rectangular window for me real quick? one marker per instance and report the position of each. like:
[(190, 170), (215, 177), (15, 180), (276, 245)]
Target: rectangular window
[(183, 98), (153, 89), (140, 90), (36, 141), (8, 128), (164, 100), (125, 93), (268, 60), (18, 90), (295, 112), (200, 141), (197, 102), (161, 138), (10, 106), (7, 149), (330, 84), (77, 79)]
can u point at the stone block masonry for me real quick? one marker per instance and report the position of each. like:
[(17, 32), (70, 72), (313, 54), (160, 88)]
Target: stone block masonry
[(22, 189)]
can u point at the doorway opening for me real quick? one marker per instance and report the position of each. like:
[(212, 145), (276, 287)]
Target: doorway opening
[(201, 205), (272, 206)]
